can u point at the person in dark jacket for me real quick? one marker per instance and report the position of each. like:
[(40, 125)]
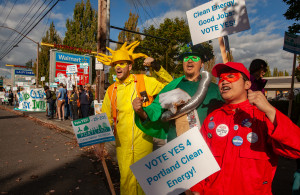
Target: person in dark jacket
[(73, 103), (258, 68), (10, 97), (86, 98), (50, 101)]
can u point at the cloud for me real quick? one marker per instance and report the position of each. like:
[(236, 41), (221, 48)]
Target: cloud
[(160, 19)]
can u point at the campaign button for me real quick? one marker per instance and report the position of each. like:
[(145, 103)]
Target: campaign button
[(211, 125), (246, 123), (237, 141), (252, 137), (235, 127), (222, 130), (211, 118), (209, 135)]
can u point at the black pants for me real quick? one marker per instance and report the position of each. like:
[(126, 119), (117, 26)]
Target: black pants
[(51, 108), (74, 110), (85, 109)]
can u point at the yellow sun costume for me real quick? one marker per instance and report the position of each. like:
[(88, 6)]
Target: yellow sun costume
[(131, 143)]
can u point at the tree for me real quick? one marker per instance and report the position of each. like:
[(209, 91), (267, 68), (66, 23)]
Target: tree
[(130, 24), (286, 73), (82, 29), (167, 52), (280, 73), (293, 14), (275, 72), (28, 64), (51, 37), (268, 73)]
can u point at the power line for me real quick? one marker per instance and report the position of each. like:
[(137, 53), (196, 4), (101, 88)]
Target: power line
[(9, 12), (31, 29)]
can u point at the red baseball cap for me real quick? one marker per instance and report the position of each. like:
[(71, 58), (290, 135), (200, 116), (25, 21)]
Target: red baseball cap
[(217, 69)]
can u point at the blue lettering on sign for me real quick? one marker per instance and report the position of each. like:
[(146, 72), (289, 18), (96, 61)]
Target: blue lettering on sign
[(71, 58), (36, 94)]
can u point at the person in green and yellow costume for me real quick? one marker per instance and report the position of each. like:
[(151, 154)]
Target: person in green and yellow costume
[(131, 143)]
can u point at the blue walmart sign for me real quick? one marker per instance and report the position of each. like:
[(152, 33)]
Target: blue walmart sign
[(71, 58)]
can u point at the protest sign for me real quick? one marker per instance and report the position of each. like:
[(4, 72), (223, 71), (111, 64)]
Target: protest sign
[(176, 166), (28, 78), (15, 88), (216, 19), (53, 85), (42, 78), (20, 84), (98, 107), (2, 95), (72, 69), (32, 100), (291, 43), (93, 130), (99, 65), (33, 81), (7, 88)]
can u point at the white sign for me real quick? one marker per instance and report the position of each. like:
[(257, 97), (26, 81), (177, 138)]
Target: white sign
[(291, 43), (72, 69), (47, 84), (33, 81), (15, 88), (28, 78), (2, 95), (99, 65), (32, 100), (176, 166), (216, 19), (93, 130), (20, 84), (98, 107), (42, 78), (53, 85), (7, 88)]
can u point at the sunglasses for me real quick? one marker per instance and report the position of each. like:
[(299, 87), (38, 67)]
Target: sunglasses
[(193, 58)]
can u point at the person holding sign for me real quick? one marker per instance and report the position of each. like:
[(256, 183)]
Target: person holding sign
[(131, 143), (148, 119), (246, 136)]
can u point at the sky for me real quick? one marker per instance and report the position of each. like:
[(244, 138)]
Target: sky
[(263, 40)]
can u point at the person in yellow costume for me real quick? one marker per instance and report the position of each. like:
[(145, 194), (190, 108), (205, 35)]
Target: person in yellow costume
[(131, 143)]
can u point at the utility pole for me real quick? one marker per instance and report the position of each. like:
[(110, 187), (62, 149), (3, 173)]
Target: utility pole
[(101, 45)]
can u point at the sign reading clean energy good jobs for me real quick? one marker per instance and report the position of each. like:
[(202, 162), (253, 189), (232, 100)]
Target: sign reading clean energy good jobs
[(176, 166), (93, 130), (216, 19)]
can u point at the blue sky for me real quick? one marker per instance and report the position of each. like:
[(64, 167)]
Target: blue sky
[(264, 39)]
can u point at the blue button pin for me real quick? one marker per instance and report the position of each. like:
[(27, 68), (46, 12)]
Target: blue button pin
[(211, 125), (237, 141), (235, 127)]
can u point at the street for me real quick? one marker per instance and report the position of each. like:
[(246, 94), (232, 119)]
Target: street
[(36, 159), (39, 160)]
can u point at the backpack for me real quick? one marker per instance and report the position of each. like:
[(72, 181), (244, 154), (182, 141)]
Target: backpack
[(53, 95)]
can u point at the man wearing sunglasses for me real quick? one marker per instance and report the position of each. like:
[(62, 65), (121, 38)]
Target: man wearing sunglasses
[(149, 118)]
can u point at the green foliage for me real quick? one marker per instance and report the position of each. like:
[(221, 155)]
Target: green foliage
[(130, 24), (297, 73), (293, 14), (286, 73), (268, 73), (51, 37), (275, 72), (28, 64), (82, 29)]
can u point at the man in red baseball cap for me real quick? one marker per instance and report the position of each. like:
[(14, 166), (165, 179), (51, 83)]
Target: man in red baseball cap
[(245, 135)]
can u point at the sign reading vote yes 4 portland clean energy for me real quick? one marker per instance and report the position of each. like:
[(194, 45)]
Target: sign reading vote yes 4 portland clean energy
[(93, 130), (216, 19), (176, 166)]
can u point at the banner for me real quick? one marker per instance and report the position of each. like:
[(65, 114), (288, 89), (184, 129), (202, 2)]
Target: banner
[(216, 19), (93, 130), (176, 166), (32, 100), (291, 43)]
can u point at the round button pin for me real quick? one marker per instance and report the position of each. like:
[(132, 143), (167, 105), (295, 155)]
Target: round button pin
[(252, 137), (209, 135), (237, 141), (235, 127), (211, 125), (222, 130), (211, 118)]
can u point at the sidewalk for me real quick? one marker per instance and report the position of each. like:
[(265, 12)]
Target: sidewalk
[(65, 126)]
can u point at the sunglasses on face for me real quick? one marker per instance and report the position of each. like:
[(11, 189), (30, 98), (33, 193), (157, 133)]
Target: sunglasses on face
[(230, 77), (193, 58), (121, 65)]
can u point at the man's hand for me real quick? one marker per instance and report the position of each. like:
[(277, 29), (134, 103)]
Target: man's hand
[(148, 61), (137, 105), (259, 100)]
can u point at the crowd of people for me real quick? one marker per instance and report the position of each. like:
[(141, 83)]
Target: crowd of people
[(63, 104)]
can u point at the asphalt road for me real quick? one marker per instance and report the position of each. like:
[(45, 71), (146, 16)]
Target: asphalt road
[(35, 159)]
